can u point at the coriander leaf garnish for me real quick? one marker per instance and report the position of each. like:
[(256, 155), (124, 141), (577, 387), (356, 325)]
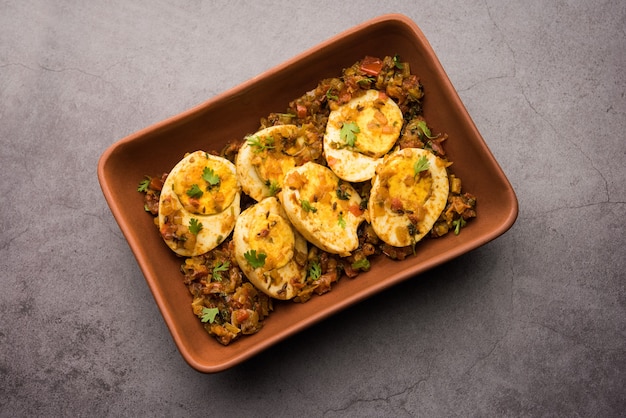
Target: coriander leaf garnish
[(366, 80), (420, 165), (315, 271), (307, 207), (254, 259), (412, 229), (143, 185), (209, 314), (424, 128), (195, 226), (363, 264), (195, 191), (348, 133), (220, 267), (397, 63), (258, 145), (458, 224), (210, 177), (330, 95), (342, 194), (341, 222), (274, 187)]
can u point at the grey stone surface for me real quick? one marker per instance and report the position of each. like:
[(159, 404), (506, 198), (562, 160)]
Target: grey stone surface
[(532, 324)]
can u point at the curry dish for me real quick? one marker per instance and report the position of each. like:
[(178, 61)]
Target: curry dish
[(348, 173)]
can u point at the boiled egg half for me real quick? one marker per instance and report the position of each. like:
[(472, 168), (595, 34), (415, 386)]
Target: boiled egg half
[(359, 133), (265, 157), (409, 192), (270, 252), (323, 208), (199, 203)]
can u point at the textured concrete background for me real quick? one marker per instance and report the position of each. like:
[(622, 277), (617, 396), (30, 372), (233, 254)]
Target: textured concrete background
[(531, 324)]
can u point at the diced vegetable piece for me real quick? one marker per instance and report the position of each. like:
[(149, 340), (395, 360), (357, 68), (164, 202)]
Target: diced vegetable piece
[(371, 66)]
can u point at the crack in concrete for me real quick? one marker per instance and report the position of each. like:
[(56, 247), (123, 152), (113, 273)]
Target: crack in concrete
[(538, 113), (567, 139), (563, 208), (17, 64), (68, 69), (483, 358), (7, 243), (484, 81), (572, 338), (508, 45), (388, 400), (55, 70)]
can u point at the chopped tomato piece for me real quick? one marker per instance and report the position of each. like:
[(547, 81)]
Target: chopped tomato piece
[(242, 315), (437, 147), (396, 205), (371, 65), (156, 183), (295, 180), (355, 210), (301, 109)]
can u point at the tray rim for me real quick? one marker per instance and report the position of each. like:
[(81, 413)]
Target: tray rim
[(507, 222)]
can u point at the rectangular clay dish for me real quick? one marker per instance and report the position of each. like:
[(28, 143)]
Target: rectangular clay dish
[(236, 113)]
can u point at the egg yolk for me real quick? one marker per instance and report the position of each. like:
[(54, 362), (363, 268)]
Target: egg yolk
[(318, 194), (376, 132), (272, 167), (273, 154), (205, 186), (273, 236), (408, 191)]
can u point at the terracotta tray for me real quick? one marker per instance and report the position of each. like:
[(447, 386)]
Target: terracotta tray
[(234, 114)]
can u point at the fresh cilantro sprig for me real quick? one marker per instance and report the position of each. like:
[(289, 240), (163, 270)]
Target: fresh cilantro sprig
[(365, 80), (363, 264), (342, 194), (307, 207), (413, 230), (143, 185), (194, 226), (424, 128), (273, 186), (254, 259), (348, 133), (219, 268), (458, 224), (315, 270), (255, 142), (397, 63), (341, 222), (195, 191), (210, 177), (420, 165), (209, 314)]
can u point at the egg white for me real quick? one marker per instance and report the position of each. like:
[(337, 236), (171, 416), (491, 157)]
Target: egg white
[(403, 205), (216, 210), (379, 121), (259, 167), (313, 206), (265, 229)]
